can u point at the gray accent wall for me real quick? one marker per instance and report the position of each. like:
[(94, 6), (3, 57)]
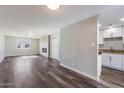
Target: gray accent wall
[(11, 50), (78, 46)]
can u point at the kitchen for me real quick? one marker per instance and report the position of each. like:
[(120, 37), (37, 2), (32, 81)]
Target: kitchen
[(111, 47)]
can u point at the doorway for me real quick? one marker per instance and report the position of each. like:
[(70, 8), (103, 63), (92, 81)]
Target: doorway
[(53, 46), (111, 47)]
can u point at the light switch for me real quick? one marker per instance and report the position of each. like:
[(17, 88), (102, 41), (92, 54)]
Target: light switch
[(92, 44)]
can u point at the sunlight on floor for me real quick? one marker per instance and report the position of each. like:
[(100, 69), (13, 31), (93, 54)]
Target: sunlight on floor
[(25, 57)]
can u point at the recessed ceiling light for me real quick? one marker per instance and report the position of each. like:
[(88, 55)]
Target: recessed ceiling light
[(53, 7), (122, 19), (30, 34)]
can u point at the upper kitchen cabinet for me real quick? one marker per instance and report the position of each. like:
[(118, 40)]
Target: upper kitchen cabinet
[(123, 35), (100, 37), (118, 32), (107, 33), (113, 32)]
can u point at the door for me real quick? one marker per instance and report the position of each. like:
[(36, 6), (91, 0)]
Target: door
[(54, 46)]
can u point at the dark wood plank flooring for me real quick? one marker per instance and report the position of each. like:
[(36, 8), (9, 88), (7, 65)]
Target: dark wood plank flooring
[(113, 76), (38, 72)]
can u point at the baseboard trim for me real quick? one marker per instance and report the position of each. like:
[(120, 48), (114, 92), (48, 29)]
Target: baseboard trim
[(50, 58), (80, 72), (21, 55)]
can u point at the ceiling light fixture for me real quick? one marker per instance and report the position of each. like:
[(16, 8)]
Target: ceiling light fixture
[(30, 34), (122, 19), (53, 7)]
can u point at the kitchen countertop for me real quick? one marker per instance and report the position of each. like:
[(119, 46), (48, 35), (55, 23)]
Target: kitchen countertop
[(111, 51)]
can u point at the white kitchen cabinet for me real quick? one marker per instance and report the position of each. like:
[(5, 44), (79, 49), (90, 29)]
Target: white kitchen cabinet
[(106, 59), (117, 32), (107, 33), (123, 33), (113, 32), (100, 37), (116, 61), (99, 65), (123, 62)]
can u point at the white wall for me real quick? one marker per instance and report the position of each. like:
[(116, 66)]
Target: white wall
[(55, 39), (2, 48), (78, 47), (11, 50)]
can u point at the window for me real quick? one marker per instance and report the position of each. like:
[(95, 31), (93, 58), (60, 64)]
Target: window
[(23, 44)]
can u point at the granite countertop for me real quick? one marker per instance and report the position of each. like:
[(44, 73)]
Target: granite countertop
[(111, 51)]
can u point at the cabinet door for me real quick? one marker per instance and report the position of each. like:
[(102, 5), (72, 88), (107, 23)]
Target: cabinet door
[(107, 33), (113, 32), (100, 37), (106, 60), (117, 32), (99, 65), (123, 33), (123, 62), (116, 61)]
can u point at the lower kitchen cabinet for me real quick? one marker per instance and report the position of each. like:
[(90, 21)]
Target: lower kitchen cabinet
[(123, 62), (115, 61), (106, 59)]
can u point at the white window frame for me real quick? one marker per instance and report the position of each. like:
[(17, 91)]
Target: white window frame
[(23, 41)]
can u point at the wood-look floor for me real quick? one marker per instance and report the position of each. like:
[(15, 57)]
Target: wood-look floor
[(38, 72), (112, 76)]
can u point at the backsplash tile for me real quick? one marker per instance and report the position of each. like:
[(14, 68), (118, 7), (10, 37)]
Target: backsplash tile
[(114, 44)]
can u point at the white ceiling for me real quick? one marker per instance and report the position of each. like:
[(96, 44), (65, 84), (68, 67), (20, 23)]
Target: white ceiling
[(19, 20), (112, 17)]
